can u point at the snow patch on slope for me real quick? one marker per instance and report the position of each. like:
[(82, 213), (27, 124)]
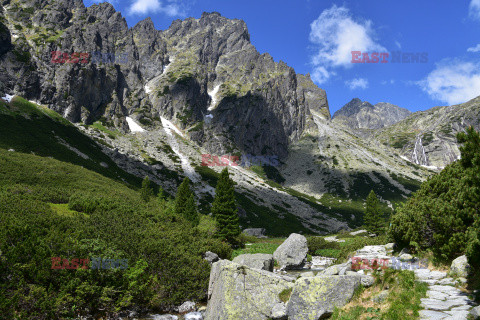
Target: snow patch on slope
[(165, 69), (213, 95), (170, 126), (147, 89), (7, 98), (134, 127), (186, 166)]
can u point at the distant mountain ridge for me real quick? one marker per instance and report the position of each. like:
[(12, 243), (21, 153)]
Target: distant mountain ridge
[(363, 115)]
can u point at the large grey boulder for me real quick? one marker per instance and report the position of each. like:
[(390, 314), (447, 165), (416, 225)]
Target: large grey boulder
[(257, 261), (255, 232), (316, 298), (475, 312), (239, 292), (460, 267), (292, 253)]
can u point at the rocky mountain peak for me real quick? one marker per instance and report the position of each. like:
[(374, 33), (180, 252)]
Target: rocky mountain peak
[(352, 108), (360, 114)]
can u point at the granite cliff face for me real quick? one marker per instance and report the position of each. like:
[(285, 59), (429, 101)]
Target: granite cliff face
[(363, 115), (203, 74)]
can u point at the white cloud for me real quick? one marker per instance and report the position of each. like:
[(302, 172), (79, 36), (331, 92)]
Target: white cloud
[(453, 82), (357, 83), (474, 49), (399, 46), (173, 8), (335, 35), (474, 10)]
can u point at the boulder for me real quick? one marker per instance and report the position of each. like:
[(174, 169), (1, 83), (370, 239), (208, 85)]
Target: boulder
[(292, 253), (187, 306), (354, 233), (239, 292), (372, 252), (338, 269), (255, 232), (389, 246), (194, 316), (460, 267), (316, 298), (211, 257), (257, 261), (279, 311), (367, 281), (405, 257), (380, 297), (165, 317), (475, 312)]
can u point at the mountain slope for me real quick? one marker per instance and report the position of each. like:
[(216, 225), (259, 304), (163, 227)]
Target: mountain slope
[(428, 137), (200, 87)]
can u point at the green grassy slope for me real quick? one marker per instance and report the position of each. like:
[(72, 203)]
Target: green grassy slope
[(50, 208), (28, 128)]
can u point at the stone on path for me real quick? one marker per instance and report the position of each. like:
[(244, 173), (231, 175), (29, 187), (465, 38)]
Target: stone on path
[(460, 267)]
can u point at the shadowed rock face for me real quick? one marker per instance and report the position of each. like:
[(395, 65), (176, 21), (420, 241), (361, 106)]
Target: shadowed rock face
[(363, 115), (259, 105)]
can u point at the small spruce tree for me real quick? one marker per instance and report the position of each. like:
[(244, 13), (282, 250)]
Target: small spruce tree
[(373, 218), (146, 192), (224, 209), (185, 203)]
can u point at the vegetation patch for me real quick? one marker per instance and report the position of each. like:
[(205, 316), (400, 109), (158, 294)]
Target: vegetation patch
[(401, 302)]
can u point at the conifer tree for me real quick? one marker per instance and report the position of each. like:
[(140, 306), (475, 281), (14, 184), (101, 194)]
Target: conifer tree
[(224, 209), (185, 203), (373, 219), (146, 192)]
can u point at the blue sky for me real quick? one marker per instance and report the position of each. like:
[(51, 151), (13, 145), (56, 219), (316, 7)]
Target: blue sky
[(317, 37)]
